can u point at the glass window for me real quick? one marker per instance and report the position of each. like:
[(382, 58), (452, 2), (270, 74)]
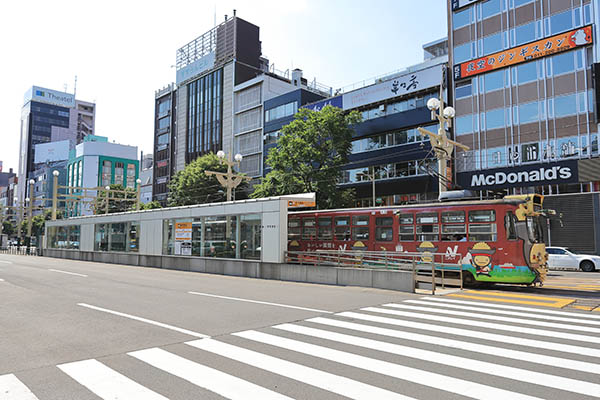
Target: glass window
[(519, 3), (493, 81), (482, 232), (342, 228), (360, 233), (509, 226), (463, 90), (462, 18), (309, 230), (131, 169), (527, 72), (119, 173), (561, 22), (383, 229), (528, 112), (587, 14), (134, 237), (490, 8), (494, 119), (492, 44), (453, 216), (427, 226), (462, 53), (565, 105), (360, 220), (117, 237), (250, 236), (524, 33), (563, 63), (482, 216), (294, 229), (163, 139), (325, 231)]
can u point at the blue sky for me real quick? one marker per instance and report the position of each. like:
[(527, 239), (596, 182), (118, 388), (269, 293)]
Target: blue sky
[(122, 51)]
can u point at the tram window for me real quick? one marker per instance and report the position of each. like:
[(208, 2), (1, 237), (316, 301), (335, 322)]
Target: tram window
[(325, 231), (454, 232), (383, 229), (342, 228), (360, 233), (427, 218), (406, 219), (360, 220), (482, 216), (509, 225), (427, 226), (309, 231), (453, 217), (407, 229), (294, 229), (482, 232)]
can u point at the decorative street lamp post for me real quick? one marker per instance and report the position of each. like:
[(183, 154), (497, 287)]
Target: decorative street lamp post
[(228, 180)]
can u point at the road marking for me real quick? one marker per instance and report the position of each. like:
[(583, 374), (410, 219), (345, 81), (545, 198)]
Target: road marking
[(148, 321), (66, 272), (6, 262), (492, 305), (262, 302), (515, 313), (430, 379), (497, 318), (502, 327), (559, 347), (214, 380), (554, 304), (107, 383), (11, 388), (1, 280), (311, 376), (519, 374), (469, 346)]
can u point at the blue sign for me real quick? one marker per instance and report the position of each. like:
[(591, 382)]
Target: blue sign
[(332, 101)]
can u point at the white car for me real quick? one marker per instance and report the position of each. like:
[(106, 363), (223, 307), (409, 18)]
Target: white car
[(562, 257)]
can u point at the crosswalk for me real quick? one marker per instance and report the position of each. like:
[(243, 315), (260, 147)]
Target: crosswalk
[(430, 347)]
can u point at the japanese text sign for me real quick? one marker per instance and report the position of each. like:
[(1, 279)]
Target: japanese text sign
[(531, 51), (183, 231)]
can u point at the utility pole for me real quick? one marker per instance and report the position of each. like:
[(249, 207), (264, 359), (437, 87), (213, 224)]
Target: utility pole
[(442, 146), (228, 180)]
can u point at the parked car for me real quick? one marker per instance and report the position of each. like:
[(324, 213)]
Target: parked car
[(562, 257)]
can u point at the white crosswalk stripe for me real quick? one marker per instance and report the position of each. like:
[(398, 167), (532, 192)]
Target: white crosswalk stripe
[(395, 351), (12, 388)]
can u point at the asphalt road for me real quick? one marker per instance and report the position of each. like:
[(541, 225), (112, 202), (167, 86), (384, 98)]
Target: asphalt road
[(80, 330)]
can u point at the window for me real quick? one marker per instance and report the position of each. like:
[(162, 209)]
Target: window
[(453, 226), (119, 171), (284, 110), (309, 230), (427, 226), (106, 173), (482, 216), (463, 125), (528, 112), (383, 229), (490, 8), (525, 33), (565, 105), (462, 53), (134, 237), (131, 175), (493, 81), (519, 3), (482, 232), (407, 228), (509, 226), (294, 229), (462, 18), (464, 90), (117, 238), (342, 228), (492, 44), (163, 139), (563, 63), (360, 227), (561, 22), (325, 232), (494, 119), (101, 237), (164, 123), (527, 73), (271, 137)]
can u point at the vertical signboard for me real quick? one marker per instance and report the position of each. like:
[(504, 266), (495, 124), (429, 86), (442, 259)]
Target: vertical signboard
[(183, 238)]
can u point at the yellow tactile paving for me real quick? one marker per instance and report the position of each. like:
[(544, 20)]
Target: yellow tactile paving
[(586, 308), (554, 303)]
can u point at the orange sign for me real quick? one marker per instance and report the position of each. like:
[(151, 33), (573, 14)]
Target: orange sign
[(183, 231), (301, 203), (531, 51)]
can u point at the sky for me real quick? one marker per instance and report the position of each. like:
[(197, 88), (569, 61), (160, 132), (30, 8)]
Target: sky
[(123, 51)]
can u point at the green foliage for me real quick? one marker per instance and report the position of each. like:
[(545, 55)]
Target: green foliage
[(309, 155), (193, 186), (118, 201), (150, 206), (9, 228)]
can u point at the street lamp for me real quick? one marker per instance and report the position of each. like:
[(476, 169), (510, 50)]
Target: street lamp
[(55, 173), (228, 180), (442, 146)]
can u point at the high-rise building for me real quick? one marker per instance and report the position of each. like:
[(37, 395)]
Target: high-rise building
[(165, 127), (49, 116)]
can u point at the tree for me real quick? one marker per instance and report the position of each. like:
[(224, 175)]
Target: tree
[(8, 228), (150, 205), (120, 200), (192, 186), (309, 155)]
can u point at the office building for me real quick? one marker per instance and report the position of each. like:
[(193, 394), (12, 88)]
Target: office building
[(146, 174), (49, 116), (99, 163), (165, 128)]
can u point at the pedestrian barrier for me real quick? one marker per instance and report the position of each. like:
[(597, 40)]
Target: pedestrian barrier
[(21, 250)]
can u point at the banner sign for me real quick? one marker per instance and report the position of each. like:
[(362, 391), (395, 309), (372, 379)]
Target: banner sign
[(520, 176), (183, 231), (195, 68), (456, 4), (517, 55), (399, 86), (336, 101)]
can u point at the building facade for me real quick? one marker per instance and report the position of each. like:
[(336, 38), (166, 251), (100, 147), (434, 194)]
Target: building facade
[(165, 128), (98, 163), (49, 116), (523, 90)]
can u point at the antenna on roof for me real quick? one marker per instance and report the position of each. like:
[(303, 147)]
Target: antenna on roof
[(215, 14), (75, 87)]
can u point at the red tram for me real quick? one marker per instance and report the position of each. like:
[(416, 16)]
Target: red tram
[(494, 240)]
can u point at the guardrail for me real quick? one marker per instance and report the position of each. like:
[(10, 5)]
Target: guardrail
[(429, 268), (21, 250)]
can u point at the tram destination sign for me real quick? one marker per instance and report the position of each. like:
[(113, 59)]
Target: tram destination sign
[(521, 176), (527, 52)]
